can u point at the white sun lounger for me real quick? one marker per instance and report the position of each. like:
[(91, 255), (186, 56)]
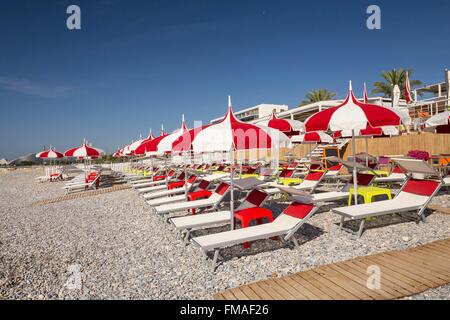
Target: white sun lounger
[(149, 183), (415, 195), (286, 224), (166, 193), (81, 186), (203, 185), (254, 198), (311, 182), (447, 181), (212, 201), (395, 176)]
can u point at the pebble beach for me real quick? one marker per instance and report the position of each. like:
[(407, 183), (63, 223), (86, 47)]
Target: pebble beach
[(116, 248)]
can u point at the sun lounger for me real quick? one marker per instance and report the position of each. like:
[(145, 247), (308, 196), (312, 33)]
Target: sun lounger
[(415, 195), (446, 181), (211, 202), (311, 182), (204, 184), (396, 175), (286, 224), (174, 191), (149, 183), (254, 198), (92, 184), (364, 179)]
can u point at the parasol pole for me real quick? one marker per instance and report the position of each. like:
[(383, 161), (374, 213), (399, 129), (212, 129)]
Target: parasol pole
[(232, 188), (367, 152), (355, 182)]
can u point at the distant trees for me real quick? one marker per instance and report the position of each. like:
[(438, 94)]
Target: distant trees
[(392, 78), (318, 95)]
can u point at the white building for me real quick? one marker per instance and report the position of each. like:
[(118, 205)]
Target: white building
[(256, 112)]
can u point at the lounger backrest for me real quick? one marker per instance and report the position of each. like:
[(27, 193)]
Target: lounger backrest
[(222, 188), (204, 184), (192, 179), (250, 170), (363, 179), (397, 169), (171, 173), (180, 176), (312, 179), (421, 187), (220, 168), (255, 198), (336, 167), (298, 210), (314, 166), (220, 192), (286, 173)]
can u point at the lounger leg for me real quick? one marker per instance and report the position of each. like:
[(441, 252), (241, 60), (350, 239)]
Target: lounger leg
[(361, 227), (186, 237), (341, 224), (214, 262), (294, 240)]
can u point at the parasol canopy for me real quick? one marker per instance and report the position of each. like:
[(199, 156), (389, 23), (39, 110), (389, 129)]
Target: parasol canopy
[(230, 134), (49, 154), (440, 122), (84, 151), (312, 137), (352, 115), (289, 127)]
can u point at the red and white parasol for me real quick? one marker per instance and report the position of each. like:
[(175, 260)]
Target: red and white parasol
[(135, 145), (352, 115), (230, 134), (163, 143), (312, 137), (83, 152), (49, 154), (289, 127)]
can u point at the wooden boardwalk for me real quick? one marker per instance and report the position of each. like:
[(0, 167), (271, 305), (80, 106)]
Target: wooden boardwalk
[(81, 194), (403, 273)]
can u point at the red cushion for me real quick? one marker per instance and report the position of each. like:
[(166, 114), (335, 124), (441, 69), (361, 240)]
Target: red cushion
[(256, 197), (397, 169), (222, 188), (298, 210), (314, 176), (204, 184), (336, 167), (421, 187), (363, 179), (255, 212), (286, 173), (192, 178)]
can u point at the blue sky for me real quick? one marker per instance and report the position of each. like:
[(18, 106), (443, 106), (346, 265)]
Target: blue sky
[(137, 64)]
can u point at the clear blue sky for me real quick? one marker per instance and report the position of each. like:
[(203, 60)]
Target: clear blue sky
[(137, 64)]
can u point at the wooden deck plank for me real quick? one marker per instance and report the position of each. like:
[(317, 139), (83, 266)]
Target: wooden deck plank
[(386, 285), (441, 271), (411, 271), (361, 280), (260, 292), (237, 292), (403, 273), (251, 295), (296, 294), (310, 287), (403, 280), (352, 286), (304, 293)]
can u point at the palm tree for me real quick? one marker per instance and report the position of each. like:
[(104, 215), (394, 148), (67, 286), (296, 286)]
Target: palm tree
[(318, 95), (392, 78)]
